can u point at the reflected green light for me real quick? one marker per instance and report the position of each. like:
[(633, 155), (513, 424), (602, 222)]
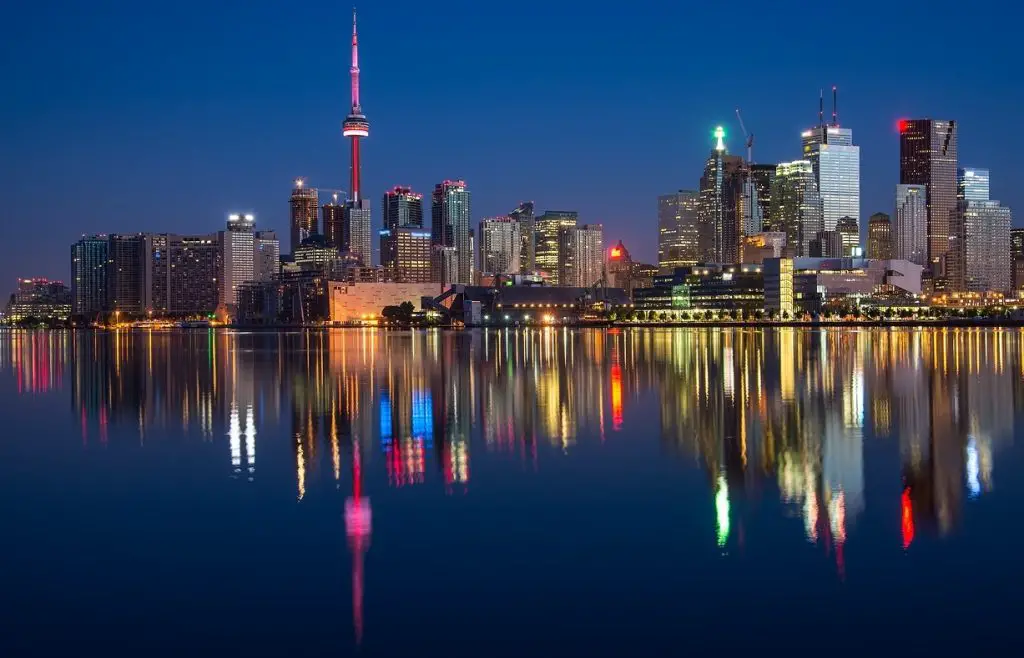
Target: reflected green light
[(722, 510)]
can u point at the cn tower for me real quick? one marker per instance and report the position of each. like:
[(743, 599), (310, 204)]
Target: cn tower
[(356, 126), (356, 223)]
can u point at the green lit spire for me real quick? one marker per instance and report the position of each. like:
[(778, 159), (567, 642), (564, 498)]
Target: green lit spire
[(720, 136)]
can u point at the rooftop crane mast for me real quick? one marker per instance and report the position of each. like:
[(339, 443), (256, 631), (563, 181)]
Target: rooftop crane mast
[(750, 161)]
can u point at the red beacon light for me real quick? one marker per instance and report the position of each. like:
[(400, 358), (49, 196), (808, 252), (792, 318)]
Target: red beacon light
[(616, 252), (902, 125)]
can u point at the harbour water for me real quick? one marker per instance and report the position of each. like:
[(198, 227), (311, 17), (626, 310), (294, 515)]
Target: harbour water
[(524, 492)]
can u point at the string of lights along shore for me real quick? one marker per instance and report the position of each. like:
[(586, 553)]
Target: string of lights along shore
[(747, 240)]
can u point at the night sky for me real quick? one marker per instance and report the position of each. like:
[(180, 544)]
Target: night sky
[(164, 116)]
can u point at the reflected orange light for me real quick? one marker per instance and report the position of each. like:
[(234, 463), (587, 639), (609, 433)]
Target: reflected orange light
[(907, 518), (616, 396)]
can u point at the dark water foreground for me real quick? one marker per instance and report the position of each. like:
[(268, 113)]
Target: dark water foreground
[(542, 492)]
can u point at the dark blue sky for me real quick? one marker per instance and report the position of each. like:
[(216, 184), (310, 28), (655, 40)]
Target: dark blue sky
[(165, 116)]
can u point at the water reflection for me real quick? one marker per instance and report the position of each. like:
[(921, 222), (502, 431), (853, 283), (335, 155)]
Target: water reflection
[(781, 414)]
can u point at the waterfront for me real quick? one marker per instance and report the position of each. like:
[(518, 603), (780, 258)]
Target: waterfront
[(534, 492)]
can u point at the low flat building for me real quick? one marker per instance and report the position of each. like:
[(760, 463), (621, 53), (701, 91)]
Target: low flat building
[(352, 303), (705, 287)]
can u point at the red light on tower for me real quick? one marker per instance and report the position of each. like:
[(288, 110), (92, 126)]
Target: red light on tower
[(902, 125), (616, 253)]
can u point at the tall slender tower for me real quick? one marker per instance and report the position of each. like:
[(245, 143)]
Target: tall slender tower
[(355, 127)]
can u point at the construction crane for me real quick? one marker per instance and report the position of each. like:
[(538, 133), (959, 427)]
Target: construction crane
[(749, 137), (334, 193), (750, 161)]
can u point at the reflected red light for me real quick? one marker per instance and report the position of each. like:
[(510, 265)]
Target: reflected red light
[(616, 396), (902, 125), (907, 518)]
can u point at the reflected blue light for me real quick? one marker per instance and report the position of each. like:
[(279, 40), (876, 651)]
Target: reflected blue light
[(423, 416), (973, 485), (385, 419)]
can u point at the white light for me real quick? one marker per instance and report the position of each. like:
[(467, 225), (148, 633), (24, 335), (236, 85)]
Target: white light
[(355, 132), (233, 218), (250, 217)]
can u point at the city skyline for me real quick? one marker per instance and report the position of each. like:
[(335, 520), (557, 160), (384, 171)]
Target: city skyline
[(210, 179)]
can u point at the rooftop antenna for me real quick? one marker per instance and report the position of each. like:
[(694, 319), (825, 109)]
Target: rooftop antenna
[(835, 123), (821, 107)]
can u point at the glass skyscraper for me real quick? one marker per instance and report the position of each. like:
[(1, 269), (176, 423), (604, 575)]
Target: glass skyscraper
[(679, 239), (972, 184), (548, 252), (89, 276), (796, 205), (987, 264), (910, 230), (928, 156), (836, 164), (450, 233)]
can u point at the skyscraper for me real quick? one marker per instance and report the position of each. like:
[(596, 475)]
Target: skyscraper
[(763, 177), (357, 220), (986, 230), (450, 211), (127, 274), (335, 230), (304, 209), (409, 250), (500, 245), (581, 255), (849, 235), (1017, 258), (523, 213), (89, 276), (679, 232), (796, 206), (910, 230), (836, 163), (928, 156), (972, 184), (880, 242), (267, 257), (193, 278), (238, 255), (720, 187), (547, 228), (402, 208)]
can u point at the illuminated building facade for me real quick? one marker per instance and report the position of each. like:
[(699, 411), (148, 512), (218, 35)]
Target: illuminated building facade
[(548, 227), (1017, 258), (928, 157), (524, 214), (238, 244), (267, 256), (335, 230), (314, 253), (796, 205), (880, 242), (778, 286), (849, 235), (39, 299), (827, 244), (581, 254), (128, 274), (303, 205), (193, 271), (910, 230), (987, 232), (402, 209), (89, 276), (719, 208), (972, 184), (450, 212), (836, 164), (763, 177), (409, 250), (500, 245), (680, 240)]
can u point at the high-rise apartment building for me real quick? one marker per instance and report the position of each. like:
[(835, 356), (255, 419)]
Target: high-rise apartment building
[(986, 228), (450, 212), (409, 250), (910, 230), (358, 222), (267, 257), (335, 229), (928, 156), (303, 205), (238, 256), (796, 206), (1017, 259), (763, 177), (581, 255), (880, 237), (89, 276), (826, 244), (128, 274), (523, 214), (548, 227), (402, 208), (680, 242), (836, 163), (185, 274), (972, 184), (500, 245), (849, 235)]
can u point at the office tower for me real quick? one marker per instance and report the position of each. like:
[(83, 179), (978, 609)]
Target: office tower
[(880, 238), (89, 276), (303, 204), (849, 233), (127, 274), (763, 176), (450, 210), (193, 278), (986, 232), (548, 227), (620, 268), (335, 230), (238, 247), (720, 187), (358, 222), (910, 230), (409, 250), (796, 206), (826, 244), (928, 157), (523, 213), (581, 255), (402, 208), (267, 257), (680, 242), (500, 245), (836, 163), (1017, 258), (474, 278), (972, 184)]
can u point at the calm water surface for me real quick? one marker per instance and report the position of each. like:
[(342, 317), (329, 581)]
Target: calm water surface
[(531, 493)]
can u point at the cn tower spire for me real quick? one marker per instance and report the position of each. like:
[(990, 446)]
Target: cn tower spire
[(355, 126), (355, 63)]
